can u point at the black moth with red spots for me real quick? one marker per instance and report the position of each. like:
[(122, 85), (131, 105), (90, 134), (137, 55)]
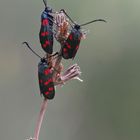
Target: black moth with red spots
[(46, 84), (71, 45), (46, 31), (45, 75)]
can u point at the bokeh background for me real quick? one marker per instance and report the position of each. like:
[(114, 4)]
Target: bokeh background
[(105, 106)]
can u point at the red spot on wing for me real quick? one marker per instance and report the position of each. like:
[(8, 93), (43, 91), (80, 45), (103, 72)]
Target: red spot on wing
[(44, 45), (65, 50), (45, 22), (51, 89), (68, 46), (47, 42), (46, 93), (51, 80), (47, 82), (44, 33), (47, 71), (70, 37)]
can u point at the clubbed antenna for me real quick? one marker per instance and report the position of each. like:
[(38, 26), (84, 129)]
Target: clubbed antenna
[(45, 3), (67, 15), (26, 43), (96, 20), (77, 26)]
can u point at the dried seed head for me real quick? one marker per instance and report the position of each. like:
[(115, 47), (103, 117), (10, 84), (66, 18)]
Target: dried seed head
[(62, 27), (73, 72)]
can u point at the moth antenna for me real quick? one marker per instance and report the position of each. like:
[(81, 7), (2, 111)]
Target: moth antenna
[(67, 16), (26, 43), (45, 3), (92, 22)]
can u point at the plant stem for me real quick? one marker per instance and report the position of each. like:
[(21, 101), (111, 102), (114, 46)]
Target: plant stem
[(40, 119)]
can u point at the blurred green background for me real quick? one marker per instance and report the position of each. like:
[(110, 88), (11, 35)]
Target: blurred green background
[(105, 106)]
